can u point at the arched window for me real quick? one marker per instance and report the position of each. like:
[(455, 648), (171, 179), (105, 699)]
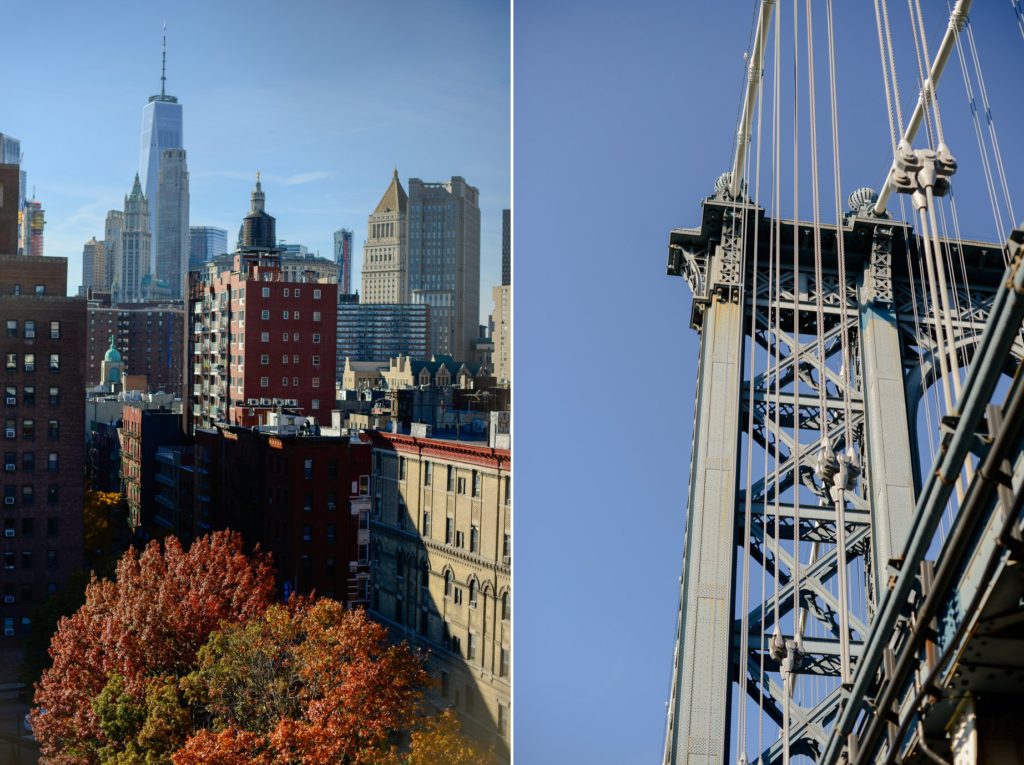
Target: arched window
[(449, 582), (472, 593), (506, 606)]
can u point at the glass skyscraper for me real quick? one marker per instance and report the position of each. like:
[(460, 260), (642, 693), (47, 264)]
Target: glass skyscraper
[(161, 129), (206, 243)]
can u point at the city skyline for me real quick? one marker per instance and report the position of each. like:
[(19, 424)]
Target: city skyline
[(322, 159)]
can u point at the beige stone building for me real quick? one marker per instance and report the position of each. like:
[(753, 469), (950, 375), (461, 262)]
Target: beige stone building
[(385, 277), (360, 375), (439, 372), (441, 546), (501, 356)]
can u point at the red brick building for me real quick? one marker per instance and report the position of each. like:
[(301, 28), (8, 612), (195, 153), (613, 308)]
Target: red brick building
[(305, 499), (149, 336), (43, 443), (258, 340)]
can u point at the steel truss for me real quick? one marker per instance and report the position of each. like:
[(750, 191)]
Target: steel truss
[(770, 315)]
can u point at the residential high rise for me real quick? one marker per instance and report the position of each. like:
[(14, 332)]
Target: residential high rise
[(506, 247), (33, 219), (385, 279), (135, 247), (206, 243), (9, 202), (170, 240), (94, 265), (258, 339), (343, 257), (444, 261), (501, 335), (112, 231), (161, 129), (441, 555), (43, 447)]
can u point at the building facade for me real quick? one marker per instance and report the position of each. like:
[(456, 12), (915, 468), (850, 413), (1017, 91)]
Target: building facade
[(94, 266), (162, 128), (33, 220), (385, 275), (143, 432), (135, 248), (441, 563), (43, 428), (149, 336), (444, 261), (113, 230), (501, 335), (371, 332), (171, 235), (206, 243), (343, 257)]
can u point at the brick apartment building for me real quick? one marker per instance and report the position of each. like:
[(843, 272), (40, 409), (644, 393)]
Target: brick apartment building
[(43, 447), (143, 432), (149, 336), (303, 498)]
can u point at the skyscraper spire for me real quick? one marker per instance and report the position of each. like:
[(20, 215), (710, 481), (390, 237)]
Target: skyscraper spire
[(163, 66)]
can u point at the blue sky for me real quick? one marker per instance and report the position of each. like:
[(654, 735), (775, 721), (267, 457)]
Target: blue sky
[(624, 116), (324, 98)]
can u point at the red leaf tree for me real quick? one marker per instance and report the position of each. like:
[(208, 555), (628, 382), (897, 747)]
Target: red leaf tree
[(150, 622)]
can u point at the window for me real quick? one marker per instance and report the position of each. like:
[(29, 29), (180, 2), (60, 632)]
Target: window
[(449, 530), (402, 465), (426, 524), (307, 469), (506, 606), (30, 395), (295, 337), (332, 533), (284, 382), (295, 382), (12, 362), (307, 533), (10, 428), (472, 594), (331, 566), (28, 495), (426, 474), (30, 329), (470, 654), (28, 462), (55, 330), (264, 337), (316, 294), (53, 462), (26, 559), (284, 359), (40, 289), (9, 560), (506, 547), (264, 382), (316, 361), (284, 336), (287, 293), (51, 559), (315, 404), (54, 362), (265, 292), (30, 362), (11, 395), (12, 327), (53, 494), (265, 314), (53, 429), (54, 395), (451, 478), (10, 461), (461, 484), (449, 581), (332, 503), (459, 539), (476, 483), (503, 662), (296, 316), (28, 429), (295, 359), (26, 527), (296, 293), (458, 596), (284, 314), (316, 316), (316, 338), (474, 538), (502, 719), (332, 467), (316, 382), (264, 358)]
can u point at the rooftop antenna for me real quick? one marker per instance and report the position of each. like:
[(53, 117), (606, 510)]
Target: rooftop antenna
[(163, 66)]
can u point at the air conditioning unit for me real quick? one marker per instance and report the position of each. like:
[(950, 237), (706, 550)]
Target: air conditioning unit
[(9, 433), (8, 532), (8, 599), (331, 506), (252, 402), (10, 468), (8, 500), (8, 631), (11, 400)]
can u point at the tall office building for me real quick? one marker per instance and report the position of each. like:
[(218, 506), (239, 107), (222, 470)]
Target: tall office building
[(135, 247), (205, 243), (170, 240), (94, 266), (444, 261), (506, 247), (384, 252), (33, 218), (501, 334), (343, 257), (112, 231), (161, 129)]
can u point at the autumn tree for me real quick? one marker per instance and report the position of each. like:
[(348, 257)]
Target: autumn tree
[(121, 655), (312, 683)]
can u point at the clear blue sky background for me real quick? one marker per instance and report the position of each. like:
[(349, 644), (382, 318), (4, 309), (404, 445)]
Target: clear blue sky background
[(624, 116), (324, 98)]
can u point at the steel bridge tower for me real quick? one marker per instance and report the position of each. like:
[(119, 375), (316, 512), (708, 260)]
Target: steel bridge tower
[(762, 375)]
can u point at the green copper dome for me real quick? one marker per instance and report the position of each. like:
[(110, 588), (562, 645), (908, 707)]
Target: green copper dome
[(112, 353)]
